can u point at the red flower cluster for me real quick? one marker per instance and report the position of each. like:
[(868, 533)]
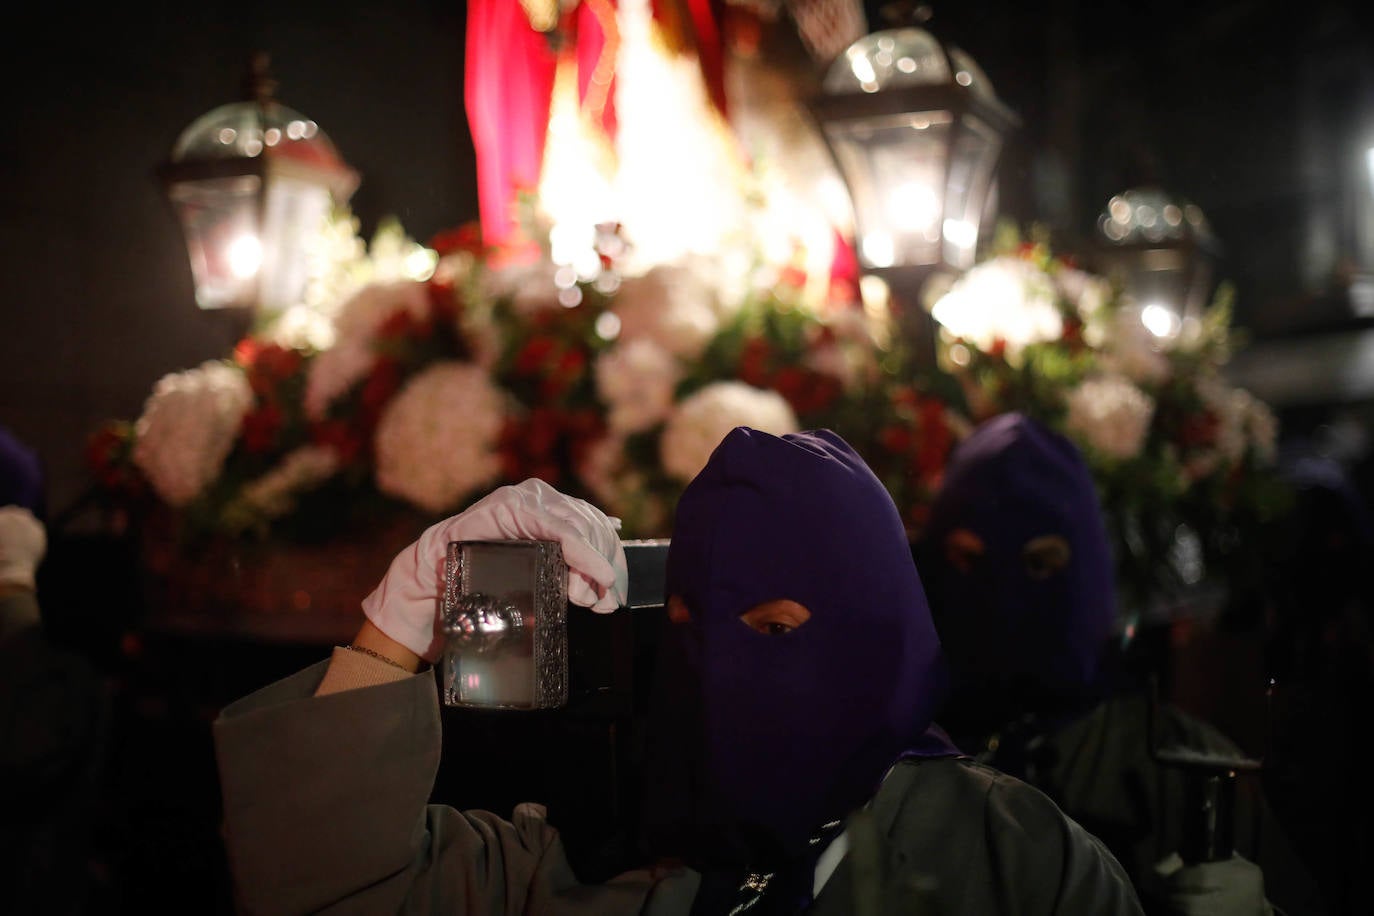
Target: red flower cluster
[(108, 458), (465, 238), (546, 440), (270, 368), (552, 365), (807, 390), (918, 438)]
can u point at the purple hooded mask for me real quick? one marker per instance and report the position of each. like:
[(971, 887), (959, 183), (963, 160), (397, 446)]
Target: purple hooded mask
[(21, 475), (759, 740), (1017, 562)]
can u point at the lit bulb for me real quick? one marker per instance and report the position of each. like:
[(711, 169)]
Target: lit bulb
[(913, 207), (1159, 320), (878, 249), (245, 256)]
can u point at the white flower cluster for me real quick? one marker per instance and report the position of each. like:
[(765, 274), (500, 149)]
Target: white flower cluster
[(338, 368), (273, 495), (1110, 415), (436, 440), (1243, 423), (339, 264), (636, 379), (188, 427), (706, 417), (672, 305), (531, 286), (1005, 298)]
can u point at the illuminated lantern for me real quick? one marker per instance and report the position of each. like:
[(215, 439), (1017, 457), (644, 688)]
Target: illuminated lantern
[(1161, 252), (252, 184), (916, 131)]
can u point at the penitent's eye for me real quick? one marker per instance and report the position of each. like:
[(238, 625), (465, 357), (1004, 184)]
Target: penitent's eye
[(775, 618), (963, 549), (1046, 555)]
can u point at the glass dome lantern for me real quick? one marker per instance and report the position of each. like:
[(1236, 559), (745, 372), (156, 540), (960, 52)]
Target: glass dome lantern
[(916, 130), (1161, 252), (252, 184)]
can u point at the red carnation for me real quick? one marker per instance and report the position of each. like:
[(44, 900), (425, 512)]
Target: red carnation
[(260, 428), (534, 354), (346, 441), (465, 238)]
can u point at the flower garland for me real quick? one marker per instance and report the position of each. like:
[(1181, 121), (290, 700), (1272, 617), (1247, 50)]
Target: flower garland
[(487, 371), (615, 388)]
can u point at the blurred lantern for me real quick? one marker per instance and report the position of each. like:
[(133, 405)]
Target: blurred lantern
[(916, 131), (1161, 252), (252, 183)]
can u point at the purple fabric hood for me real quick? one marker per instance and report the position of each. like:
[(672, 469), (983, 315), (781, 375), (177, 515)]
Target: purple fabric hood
[(768, 737)]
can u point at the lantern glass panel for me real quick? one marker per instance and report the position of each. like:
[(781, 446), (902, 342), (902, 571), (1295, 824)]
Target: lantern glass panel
[(895, 167), (970, 172), (294, 214), (219, 217)]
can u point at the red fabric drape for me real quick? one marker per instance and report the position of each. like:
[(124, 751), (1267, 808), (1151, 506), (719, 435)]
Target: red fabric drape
[(509, 77), (508, 81)]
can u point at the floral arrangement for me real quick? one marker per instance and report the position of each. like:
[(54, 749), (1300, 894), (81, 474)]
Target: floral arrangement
[(421, 393), (1183, 460)]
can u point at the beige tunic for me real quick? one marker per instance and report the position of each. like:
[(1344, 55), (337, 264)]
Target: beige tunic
[(325, 810)]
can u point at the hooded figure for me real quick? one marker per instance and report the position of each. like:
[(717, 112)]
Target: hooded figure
[(791, 756), (1019, 571), (1020, 576), (773, 731)]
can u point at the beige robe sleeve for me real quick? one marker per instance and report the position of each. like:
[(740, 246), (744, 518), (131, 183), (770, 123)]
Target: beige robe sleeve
[(325, 810)]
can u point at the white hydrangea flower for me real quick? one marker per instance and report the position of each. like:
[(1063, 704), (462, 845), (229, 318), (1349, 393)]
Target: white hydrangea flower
[(1004, 298), (636, 379), (673, 305), (436, 440), (703, 419), (529, 285), (337, 369), (188, 427), (273, 495), (1110, 415), (1084, 291), (1243, 423), (1230, 407)]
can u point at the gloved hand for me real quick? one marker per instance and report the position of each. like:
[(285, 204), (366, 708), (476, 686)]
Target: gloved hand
[(23, 541), (405, 606), (1231, 887)]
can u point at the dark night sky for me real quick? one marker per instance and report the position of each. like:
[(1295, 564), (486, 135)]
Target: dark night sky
[(1220, 95)]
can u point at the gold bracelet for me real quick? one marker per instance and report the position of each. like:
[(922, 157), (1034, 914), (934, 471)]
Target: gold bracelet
[(377, 655)]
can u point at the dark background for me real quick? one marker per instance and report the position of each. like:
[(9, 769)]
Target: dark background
[(1261, 113)]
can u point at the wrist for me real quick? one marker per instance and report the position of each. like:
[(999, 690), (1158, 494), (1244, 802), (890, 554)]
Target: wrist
[(372, 640)]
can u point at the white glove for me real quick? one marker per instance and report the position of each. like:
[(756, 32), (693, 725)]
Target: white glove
[(405, 606), (1231, 887), (23, 541)]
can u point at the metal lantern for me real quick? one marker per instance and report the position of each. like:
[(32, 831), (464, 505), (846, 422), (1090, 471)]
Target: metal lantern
[(916, 131), (1161, 251), (252, 183)]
